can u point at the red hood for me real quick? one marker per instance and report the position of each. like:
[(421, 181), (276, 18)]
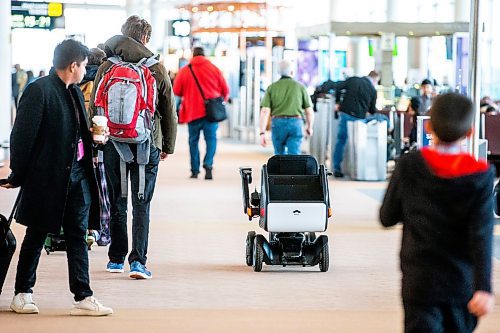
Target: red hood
[(452, 165)]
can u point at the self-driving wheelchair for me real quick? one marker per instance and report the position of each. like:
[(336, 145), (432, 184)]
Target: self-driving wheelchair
[(293, 205)]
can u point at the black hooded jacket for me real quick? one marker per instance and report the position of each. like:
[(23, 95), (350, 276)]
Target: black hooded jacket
[(447, 231)]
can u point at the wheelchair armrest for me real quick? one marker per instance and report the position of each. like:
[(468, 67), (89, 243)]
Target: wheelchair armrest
[(246, 173)]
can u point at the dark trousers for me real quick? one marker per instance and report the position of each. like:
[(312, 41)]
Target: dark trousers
[(75, 225), (118, 248), (438, 318)]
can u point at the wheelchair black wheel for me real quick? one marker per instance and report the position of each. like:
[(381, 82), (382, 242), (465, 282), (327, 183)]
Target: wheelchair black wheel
[(324, 259), (311, 237), (249, 248), (258, 254)]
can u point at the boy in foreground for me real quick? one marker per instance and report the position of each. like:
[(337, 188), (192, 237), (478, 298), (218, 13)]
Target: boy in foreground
[(442, 196)]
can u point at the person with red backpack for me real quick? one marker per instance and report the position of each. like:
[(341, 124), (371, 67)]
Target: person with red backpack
[(133, 91)]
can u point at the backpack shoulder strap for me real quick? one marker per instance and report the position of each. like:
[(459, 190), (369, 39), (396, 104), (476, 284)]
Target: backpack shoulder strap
[(197, 82), (148, 62), (115, 59)]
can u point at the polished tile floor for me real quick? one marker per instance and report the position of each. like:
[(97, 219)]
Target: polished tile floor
[(201, 283)]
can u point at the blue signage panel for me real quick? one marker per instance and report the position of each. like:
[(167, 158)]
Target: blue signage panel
[(424, 138)]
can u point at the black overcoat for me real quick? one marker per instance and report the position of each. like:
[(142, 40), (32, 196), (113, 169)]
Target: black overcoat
[(43, 146)]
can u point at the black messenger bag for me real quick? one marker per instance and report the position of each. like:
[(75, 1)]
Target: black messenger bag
[(7, 242), (215, 108)]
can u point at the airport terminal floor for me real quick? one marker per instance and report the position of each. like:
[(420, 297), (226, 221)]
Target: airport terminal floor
[(200, 280)]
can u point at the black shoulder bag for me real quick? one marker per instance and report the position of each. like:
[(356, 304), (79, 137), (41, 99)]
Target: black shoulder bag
[(7, 242), (215, 108)]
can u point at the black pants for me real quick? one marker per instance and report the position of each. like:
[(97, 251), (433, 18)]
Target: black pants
[(118, 248), (438, 318), (75, 229)]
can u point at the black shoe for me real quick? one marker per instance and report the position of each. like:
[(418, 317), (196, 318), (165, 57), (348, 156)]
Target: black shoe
[(194, 175), (208, 173), (338, 174)]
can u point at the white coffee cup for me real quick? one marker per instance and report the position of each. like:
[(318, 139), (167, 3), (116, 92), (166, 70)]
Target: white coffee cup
[(99, 126)]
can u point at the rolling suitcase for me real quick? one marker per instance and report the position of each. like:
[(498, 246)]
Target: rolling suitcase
[(7, 243)]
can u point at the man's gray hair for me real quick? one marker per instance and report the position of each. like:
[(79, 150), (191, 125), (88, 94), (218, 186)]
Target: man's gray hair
[(285, 68)]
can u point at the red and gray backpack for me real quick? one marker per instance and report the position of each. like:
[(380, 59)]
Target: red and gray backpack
[(126, 95)]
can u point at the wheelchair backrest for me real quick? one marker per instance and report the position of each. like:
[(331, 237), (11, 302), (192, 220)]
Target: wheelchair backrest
[(292, 165)]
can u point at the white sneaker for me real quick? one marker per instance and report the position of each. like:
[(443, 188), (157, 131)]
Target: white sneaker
[(89, 306), (23, 303)]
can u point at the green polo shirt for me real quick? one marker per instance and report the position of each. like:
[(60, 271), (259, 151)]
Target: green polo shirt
[(286, 97)]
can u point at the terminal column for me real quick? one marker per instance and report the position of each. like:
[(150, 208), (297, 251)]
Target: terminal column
[(462, 10), (5, 72), (158, 19), (387, 43), (335, 15), (136, 7)]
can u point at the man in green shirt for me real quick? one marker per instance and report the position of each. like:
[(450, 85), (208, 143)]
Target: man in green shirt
[(286, 101)]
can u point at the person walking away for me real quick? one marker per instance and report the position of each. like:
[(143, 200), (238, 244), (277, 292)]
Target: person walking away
[(15, 88), (287, 101), (359, 98), (51, 160), (141, 157), (21, 81), (443, 198), (413, 111), (102, 237), (192, 110), (96, 58)]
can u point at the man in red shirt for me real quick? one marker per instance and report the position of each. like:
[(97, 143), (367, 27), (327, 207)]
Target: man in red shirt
[(192, 110)]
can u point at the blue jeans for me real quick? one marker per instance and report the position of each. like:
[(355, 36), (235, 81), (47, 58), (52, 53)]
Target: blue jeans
[(118, 248), (75, 223), (287, 135), (338, 154), (210, 134)]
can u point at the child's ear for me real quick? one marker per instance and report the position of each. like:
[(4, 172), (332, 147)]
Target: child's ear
[(470, 132)]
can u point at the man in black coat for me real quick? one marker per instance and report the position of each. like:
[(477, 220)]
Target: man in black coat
[(356, 97), (51, 160)]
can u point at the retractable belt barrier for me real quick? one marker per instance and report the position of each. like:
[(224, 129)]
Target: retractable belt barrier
[(321, 140)]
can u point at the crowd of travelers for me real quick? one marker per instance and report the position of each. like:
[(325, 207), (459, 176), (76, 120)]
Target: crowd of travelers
[(58, 141)]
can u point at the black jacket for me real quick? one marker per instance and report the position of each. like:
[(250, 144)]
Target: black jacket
[(356, 95), (43, 146), (91, 72), (447, 231)]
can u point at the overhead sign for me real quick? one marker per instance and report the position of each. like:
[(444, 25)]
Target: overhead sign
[(180, 28), (387, 41), (38, 15)]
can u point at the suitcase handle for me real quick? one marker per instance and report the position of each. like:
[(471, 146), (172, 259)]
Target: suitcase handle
[(14, 209)]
